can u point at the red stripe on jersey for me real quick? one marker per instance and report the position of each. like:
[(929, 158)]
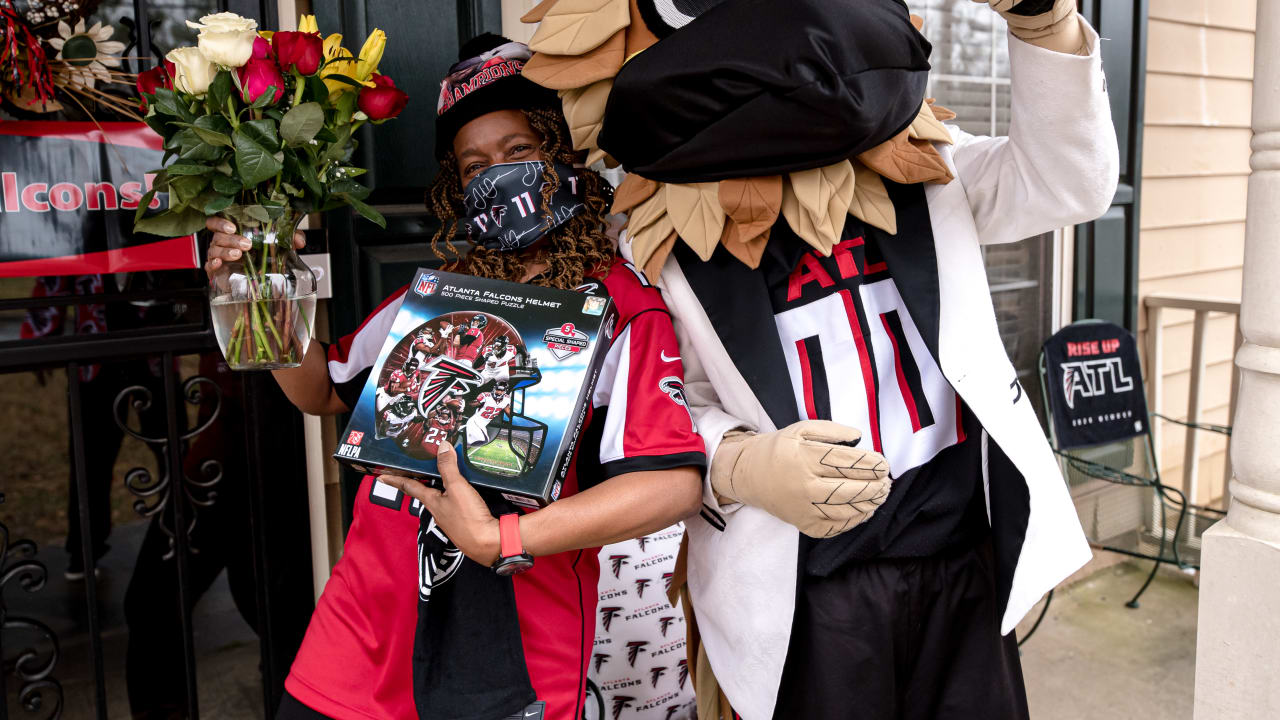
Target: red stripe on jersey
[(806, 378), (959, 420), (903, 387), (868, 379)]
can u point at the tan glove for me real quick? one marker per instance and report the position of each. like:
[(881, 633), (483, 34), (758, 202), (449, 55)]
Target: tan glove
[(1050, 24), (808, 474)]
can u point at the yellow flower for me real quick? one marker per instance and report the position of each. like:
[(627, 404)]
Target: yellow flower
[(307, 24), (333, 50), (370, 56), (266, 34)]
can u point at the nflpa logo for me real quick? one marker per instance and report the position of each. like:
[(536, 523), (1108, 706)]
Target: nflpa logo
[(355, 437), (427, 285)]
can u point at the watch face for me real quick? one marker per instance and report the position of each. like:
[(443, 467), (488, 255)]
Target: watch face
[(513, 565)]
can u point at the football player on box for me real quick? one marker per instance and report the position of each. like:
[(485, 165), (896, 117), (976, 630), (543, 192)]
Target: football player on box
[(488, 406), (497, 360)]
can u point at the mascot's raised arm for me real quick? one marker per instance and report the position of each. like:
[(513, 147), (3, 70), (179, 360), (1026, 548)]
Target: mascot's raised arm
[(881, 507)]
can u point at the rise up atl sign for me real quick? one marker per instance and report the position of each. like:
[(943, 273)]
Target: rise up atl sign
[(68, 194)]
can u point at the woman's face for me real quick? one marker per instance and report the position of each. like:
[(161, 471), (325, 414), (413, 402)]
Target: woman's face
[(501, 136)]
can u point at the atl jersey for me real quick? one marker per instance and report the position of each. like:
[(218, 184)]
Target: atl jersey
[(493, 361), (437, 433), (469, 345), (855, 355), (356, 660)]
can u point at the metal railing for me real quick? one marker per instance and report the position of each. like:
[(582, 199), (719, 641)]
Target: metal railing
[(1154, 305)]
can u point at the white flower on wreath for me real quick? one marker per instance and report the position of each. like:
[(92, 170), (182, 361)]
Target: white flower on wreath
[(88, 53)]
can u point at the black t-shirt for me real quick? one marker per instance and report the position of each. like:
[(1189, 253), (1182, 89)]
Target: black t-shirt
[(854, 355)]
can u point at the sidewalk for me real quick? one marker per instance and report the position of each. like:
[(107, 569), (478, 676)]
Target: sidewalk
[(1095, 658)]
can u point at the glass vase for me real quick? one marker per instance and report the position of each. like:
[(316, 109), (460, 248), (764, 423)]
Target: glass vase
[(264, 303)]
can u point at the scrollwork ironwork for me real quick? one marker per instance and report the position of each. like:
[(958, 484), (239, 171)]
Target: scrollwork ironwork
[(154, 491), (33, 667)]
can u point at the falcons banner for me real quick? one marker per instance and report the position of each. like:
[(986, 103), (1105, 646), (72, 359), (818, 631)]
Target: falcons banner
[(638, 666), (1095, 385), (68, 194)]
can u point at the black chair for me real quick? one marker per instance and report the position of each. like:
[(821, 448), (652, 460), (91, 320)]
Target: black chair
[(1091, 382)]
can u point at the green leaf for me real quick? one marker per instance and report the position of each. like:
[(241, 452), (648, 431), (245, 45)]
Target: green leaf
[(217, 203), (309, 177), (220, 89), (161, 181), (349, 187), (184, 188), (202, 152), (213, 130), (188, 168), (291, 189), (266, 97), (254, 162), (350, 171), (326, 136), (226, 185), (257, 212), (167, 102), (274, 114), (301, 123), (365, 211), (317, 90), (338, 149), (171, 223), (143, 204), (344, 79), (345, 107), (262, 132)]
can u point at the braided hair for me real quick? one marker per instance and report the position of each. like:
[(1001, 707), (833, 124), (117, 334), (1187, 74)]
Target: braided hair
[(572, 251)]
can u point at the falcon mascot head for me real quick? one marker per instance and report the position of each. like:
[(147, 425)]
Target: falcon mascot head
[(735, 117)]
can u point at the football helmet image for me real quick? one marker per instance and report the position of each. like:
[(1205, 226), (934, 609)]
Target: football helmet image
[(495, 437)]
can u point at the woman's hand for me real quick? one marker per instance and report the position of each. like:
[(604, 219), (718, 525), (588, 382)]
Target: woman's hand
[(458, 509), (227, 246)]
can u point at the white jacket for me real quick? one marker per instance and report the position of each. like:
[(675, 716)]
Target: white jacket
[(1059, 166)]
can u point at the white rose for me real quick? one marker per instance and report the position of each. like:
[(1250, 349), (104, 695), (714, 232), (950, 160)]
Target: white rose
[(192, 69), (226, 38)]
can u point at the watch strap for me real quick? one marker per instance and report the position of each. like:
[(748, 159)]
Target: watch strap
[(509, 543)]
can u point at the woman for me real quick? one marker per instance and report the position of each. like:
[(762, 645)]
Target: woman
[(356, 660)]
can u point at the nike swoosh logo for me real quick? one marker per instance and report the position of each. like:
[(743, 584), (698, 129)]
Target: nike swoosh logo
[(532, 714), (662, 354)]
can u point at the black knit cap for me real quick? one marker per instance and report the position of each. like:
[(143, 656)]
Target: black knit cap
[(486, 78)]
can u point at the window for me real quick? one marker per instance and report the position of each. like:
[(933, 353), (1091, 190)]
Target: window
[(971, 77)]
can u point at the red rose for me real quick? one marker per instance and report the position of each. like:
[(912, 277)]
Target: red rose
[(298, 51), (160, 76), (257, 75), (261, 48), (383, 100)]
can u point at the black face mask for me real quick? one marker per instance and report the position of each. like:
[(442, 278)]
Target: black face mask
[(505, 209)]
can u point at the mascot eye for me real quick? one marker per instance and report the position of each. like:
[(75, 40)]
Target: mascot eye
[(667, 16)]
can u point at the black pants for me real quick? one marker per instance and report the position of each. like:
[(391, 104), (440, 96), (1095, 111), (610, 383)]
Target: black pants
[(914, 639), (291, 709)]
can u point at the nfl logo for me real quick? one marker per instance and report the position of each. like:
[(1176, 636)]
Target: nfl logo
[(427, 284)]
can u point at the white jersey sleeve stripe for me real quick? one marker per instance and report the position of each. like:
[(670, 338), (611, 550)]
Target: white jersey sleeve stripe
[(611, 391), (366, 345)]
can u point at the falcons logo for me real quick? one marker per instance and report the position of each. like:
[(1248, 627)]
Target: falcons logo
[(656, 673), (683, 667), (672, 711), (666, 579), (643, 541), (633, 650), (600, 659), (444, 374), (641, 584), (665, 622), (607, 614), (620, 703), (1068, 385), (618, 561)]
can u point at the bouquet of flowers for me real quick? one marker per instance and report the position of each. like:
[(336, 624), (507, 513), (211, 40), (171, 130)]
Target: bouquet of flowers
[(258, 128)]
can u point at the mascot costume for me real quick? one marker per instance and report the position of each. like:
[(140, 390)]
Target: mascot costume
[(882, 507)]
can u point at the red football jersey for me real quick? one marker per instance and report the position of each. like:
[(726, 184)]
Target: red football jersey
[(356, 659)]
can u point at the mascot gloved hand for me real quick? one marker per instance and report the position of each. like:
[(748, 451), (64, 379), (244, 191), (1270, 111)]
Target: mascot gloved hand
[(1050, 24), (808, 474)]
